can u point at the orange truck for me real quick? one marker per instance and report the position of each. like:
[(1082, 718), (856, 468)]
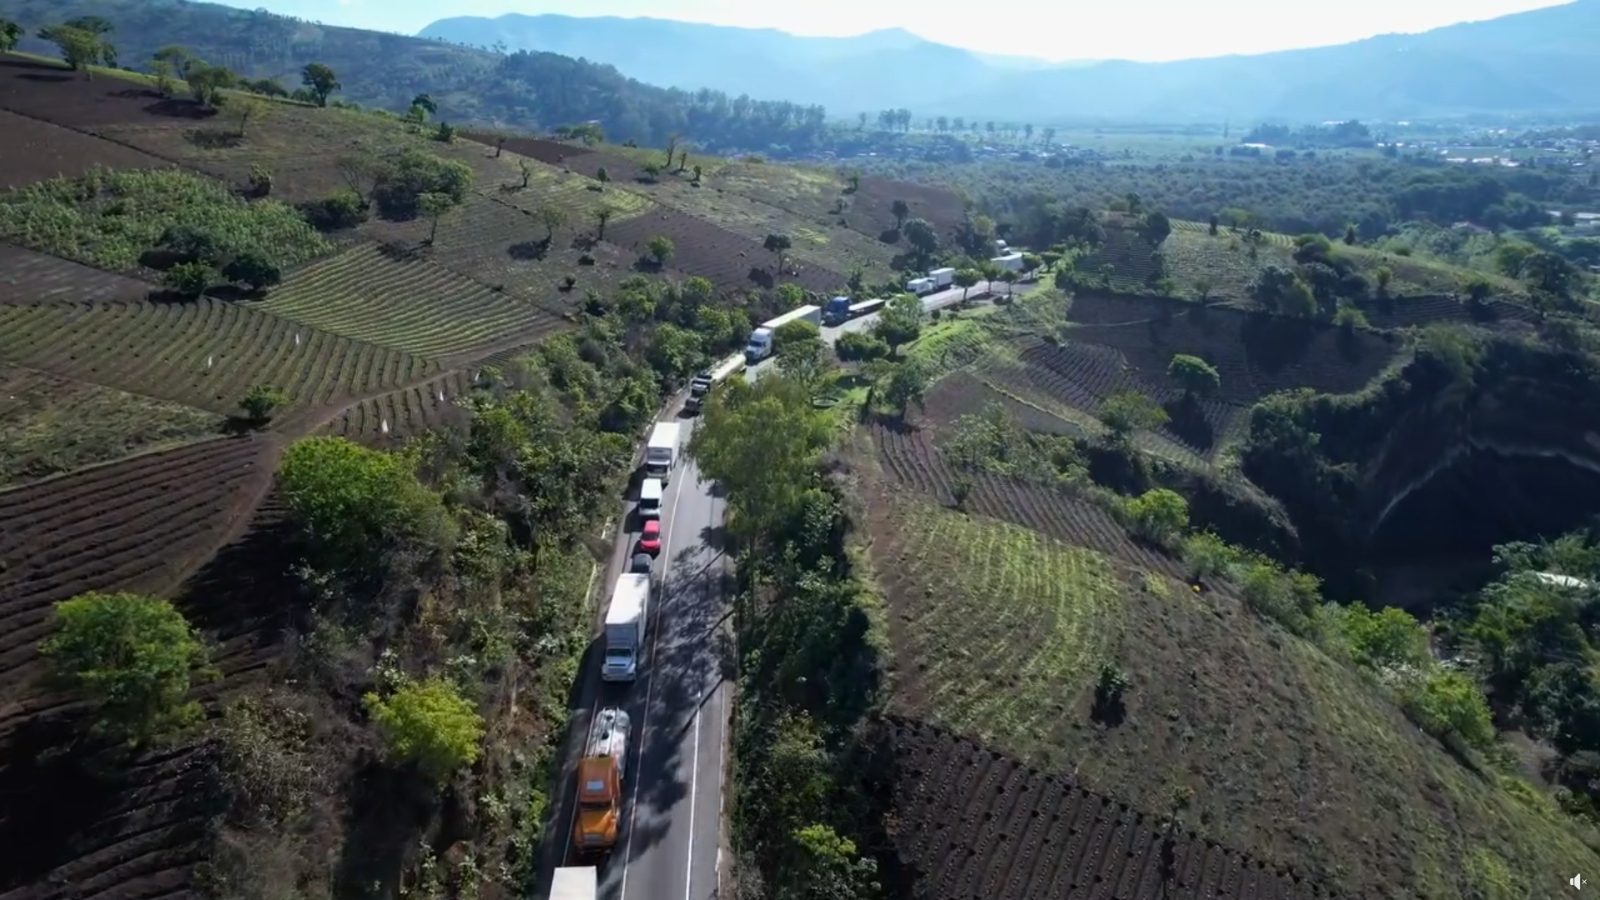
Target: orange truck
[(600, 783)]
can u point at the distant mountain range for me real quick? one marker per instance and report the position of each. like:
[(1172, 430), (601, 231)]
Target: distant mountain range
[(1543, 63)]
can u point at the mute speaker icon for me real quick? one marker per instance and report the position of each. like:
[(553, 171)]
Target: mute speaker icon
[(1576, 881)]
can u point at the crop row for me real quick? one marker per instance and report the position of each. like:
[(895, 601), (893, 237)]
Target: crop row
[(969, 590), (394, 300), (206, 354), (913, 461), (406, 412), (134, 524), (972, 822), (27, 276), (730, 261), (1273, 238)]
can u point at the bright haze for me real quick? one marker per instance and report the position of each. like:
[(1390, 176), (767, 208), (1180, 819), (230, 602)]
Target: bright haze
[(1045, 29)]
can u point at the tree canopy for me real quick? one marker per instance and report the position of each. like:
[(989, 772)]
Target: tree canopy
[(320, 80), (428, 723)]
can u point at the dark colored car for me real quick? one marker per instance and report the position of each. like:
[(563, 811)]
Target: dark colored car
[(642, 564)]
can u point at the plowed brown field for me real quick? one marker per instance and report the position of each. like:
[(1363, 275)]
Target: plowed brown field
[(968, 822), (27, 276), (35, 150), (729, 260)]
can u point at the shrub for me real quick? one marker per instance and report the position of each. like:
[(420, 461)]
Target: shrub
[(260, 181), (1290, 598), (131, 657), (860, 346), (1160, 515), (445, 133), (430, 724), (259, 403), (1207, 554), (191, 243), (188, 279), (343, 209), (1350, 318), (1195, 374), (1448, 705), (1125, 412), (352, 502), (254, 269), (1108, 695), (400, 182), (1389, 638)]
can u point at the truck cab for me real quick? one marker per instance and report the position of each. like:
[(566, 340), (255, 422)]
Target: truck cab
[(920, 286), (760, 346), (837, 311), (600, 782), (698, 389)]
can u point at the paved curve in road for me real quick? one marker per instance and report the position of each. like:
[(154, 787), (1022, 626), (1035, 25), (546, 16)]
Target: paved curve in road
[(670, 844)]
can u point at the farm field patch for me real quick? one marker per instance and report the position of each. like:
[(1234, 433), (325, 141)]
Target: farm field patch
[(576, 196), (1253, 726), (970, 822), (962, 591), (50, 424), (730, 261), (392, 417), (110, 219), (205, 354), (405, 303), (35, 150), (49, 91), (1254, 354), (27, 276)]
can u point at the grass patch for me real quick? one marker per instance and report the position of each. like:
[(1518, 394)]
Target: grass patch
[(999, 628), (110, 218), (50, 425)]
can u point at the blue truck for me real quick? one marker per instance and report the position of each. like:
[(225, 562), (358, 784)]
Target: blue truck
[(840, 310)]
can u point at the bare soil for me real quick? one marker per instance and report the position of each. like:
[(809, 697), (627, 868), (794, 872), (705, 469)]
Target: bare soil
[(730, 261), (36, 150), (27, 276)]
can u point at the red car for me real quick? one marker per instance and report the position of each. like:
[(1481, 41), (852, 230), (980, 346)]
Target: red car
[(650, 537)]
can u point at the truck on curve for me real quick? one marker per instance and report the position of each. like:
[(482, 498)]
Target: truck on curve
[(840, 310), (661, 451), (702, 384), (921, 286), (575, 883), (1008, 262), (760, 346), (626, 619), (942, 278), (600, 774)]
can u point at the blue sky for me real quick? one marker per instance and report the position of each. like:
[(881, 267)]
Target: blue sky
[(1050, 29)]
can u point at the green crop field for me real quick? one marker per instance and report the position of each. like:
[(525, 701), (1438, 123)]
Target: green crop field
[(205, 354), (975, 600), (575, 195), (373, 295)]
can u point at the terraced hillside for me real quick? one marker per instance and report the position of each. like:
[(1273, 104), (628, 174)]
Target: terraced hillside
[(401, 301), (27, 276), (205, 354)]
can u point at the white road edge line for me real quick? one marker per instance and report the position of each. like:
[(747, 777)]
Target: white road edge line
[(650, 693), (694, 785), (572, 823)]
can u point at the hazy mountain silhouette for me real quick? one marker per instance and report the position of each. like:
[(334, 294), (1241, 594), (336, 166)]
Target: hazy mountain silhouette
[(1540, 62)]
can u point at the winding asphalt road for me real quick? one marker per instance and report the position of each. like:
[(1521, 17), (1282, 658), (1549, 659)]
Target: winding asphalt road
[(672, 837)]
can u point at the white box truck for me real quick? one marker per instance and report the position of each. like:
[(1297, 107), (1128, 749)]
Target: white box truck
[(760, 346), (1010, 262), (625, 626), (942, 278), (650, 493), (575, 883), (661, 451), (920, 286)]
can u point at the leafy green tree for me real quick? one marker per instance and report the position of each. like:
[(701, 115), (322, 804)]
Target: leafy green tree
[(425, 103), (260, 402), (1160, 515), (1126, 412), (825, 866), (659, 249), (188, 279), (552, 216), (351, 503), (320, 81), (651, 171), (434, 206), (778, 245), (132, 658), (399, 182), (10, 34), (1386, 639), (923, 239), (445, 133), (800, 352), (762, 442), (602, 176), (855, 346), (675, 352), (1385, 276), (601, 217), (900, 323), (1449, 705), (1350, 318), (907, 384), (900, 209), (253, 268), (260, 181), (80, 49), (965, 279), (1197, 376), (207, 82), (1154, 227), (178, 59), (428, 723)]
